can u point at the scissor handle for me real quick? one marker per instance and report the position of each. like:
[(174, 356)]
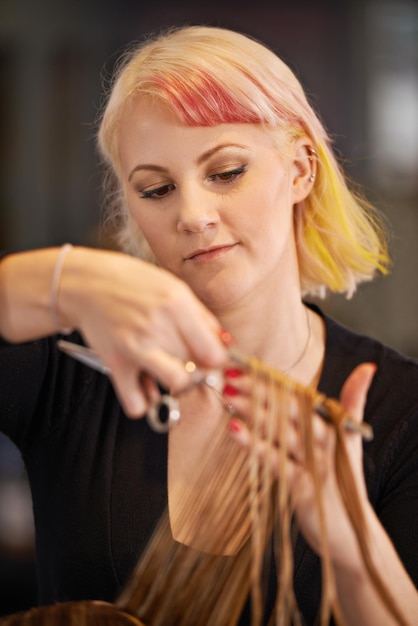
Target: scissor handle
[(164, 414)]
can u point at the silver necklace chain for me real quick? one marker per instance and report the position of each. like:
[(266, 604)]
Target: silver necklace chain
[(305, 347)]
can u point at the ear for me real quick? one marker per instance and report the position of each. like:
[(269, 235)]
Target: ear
[(304, 169)]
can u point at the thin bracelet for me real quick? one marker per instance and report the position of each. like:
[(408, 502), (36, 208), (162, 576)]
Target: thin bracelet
[(56, 277)]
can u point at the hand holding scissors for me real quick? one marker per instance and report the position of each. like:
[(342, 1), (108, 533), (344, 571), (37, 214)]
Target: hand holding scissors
[(164, 413)]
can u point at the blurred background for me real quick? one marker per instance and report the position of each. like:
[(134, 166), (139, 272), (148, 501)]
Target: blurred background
[(358, 61)]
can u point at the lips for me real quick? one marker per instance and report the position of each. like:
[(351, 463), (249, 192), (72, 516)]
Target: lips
[(208, 254)]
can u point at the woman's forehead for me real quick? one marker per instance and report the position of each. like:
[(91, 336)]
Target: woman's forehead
[(151, 131)]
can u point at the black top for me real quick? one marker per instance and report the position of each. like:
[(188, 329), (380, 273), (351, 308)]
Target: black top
[(99, 479)]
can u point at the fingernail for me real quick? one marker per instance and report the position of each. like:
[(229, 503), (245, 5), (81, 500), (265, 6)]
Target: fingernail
[(226, 337), (234, 426), (229, 390), (233, 373)]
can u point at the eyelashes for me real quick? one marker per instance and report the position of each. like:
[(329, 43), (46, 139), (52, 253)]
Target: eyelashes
[(229, 175), (224, 177), (157, 192)]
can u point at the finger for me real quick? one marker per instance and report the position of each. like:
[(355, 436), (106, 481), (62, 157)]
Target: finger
[(170, 371), (236, 392), (354, 392), (246, 393), (150, 388), (353, 398), (200, 331), (204, 345), (257, 402), (129, 391), (265, 451)]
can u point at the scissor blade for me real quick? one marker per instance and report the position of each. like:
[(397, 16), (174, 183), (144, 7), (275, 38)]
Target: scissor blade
[(84, 355)]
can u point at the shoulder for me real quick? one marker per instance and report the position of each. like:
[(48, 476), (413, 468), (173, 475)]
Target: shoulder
[(392, 400), (396, 376)]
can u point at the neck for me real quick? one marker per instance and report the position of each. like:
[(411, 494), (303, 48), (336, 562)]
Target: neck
[(270, 331), (289, 338)]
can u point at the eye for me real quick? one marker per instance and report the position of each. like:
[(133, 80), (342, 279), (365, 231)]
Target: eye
[(228, 176), (157, 192)]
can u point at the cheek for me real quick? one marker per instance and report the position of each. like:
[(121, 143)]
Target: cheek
[(159, 238), (272, 211), (144, 230), (151, 225), (271, 228)]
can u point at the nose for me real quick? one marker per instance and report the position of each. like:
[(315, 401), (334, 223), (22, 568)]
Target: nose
[(197, 211)]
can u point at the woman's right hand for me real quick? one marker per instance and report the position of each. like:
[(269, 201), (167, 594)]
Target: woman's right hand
[(142, 321)]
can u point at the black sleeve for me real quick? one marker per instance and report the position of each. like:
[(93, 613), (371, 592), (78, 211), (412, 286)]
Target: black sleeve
[(391, 459), (22, 371), (22, 374), (397, 501), (41, 387)]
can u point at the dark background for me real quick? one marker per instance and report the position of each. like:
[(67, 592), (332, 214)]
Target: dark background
[(358, 62)]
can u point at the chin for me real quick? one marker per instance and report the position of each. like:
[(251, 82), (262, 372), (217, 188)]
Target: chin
[(222, 288), (218, 298)]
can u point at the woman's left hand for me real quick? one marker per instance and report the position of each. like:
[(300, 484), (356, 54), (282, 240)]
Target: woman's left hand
[(341, 539)]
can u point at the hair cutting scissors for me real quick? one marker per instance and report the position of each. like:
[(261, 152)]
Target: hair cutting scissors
[(163, 414)]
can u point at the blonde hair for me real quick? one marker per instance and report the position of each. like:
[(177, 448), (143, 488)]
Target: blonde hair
[(209, 76)]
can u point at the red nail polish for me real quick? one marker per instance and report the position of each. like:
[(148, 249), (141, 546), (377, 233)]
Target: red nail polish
[(234, 426), (233, 373), (229, 390), (226, 337)]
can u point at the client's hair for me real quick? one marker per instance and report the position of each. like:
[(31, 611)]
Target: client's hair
[(236, 525)]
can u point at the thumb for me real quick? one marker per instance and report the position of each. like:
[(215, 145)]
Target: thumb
[(354, 392)]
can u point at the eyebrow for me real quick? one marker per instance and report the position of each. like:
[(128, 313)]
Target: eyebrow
[(223, 146), (147, 167), (150, 167)]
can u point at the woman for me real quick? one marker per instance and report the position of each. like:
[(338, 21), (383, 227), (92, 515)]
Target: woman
[(222, 174)]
